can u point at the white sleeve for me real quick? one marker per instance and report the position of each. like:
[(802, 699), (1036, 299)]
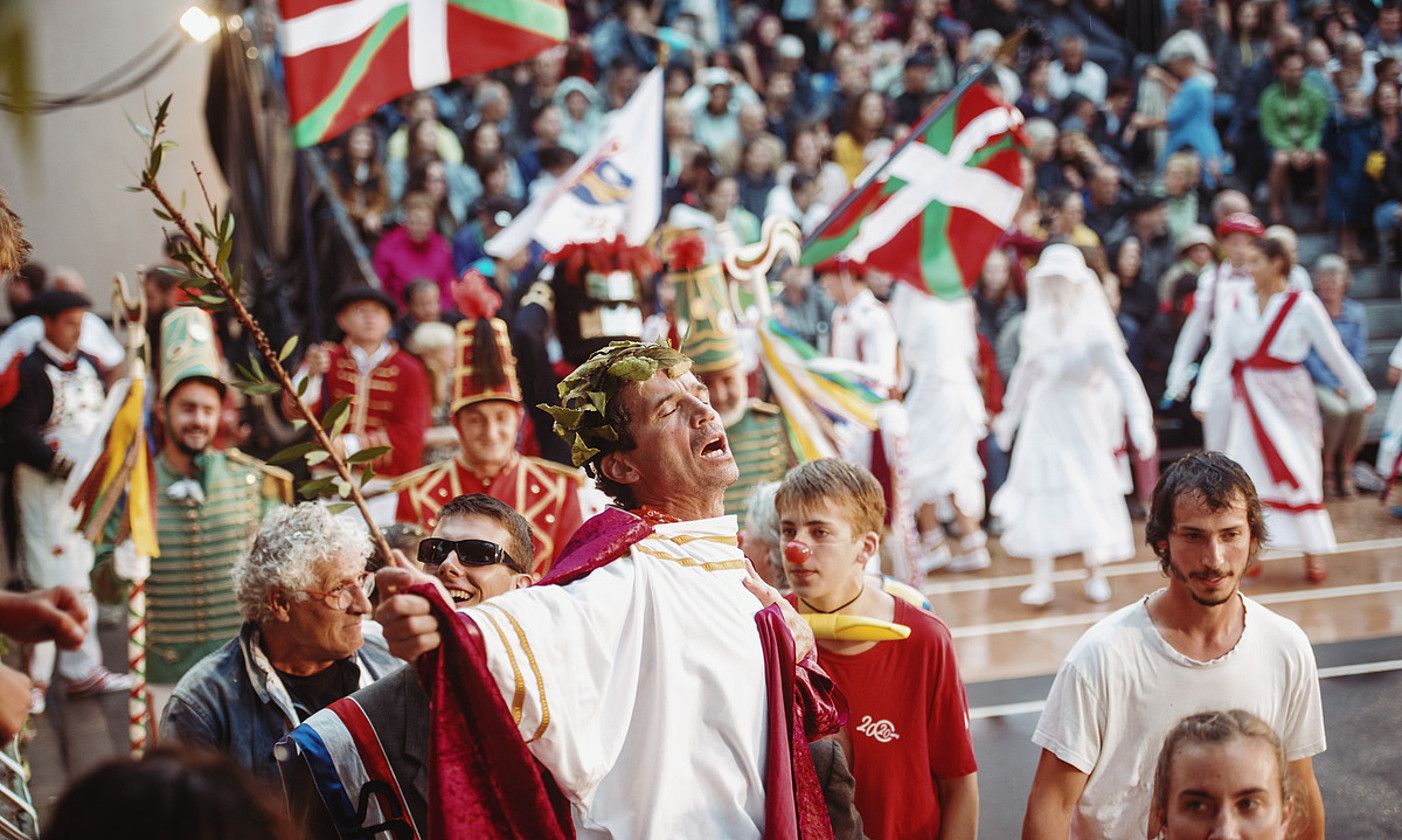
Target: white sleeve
[(1212, 378), (1020, 383), (553, 655), (1192, 336), (879, 351), (1072, 720), (1325, 341), (21, 337), (1395, 359), (1303, 732), (98, 340), (1138, 412)]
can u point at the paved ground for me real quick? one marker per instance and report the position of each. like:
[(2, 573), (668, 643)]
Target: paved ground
[(1360, 774)]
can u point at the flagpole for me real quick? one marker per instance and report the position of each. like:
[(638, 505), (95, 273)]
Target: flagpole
[(939, 109)]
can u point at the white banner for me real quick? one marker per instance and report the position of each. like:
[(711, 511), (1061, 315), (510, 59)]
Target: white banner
[(615, 189)]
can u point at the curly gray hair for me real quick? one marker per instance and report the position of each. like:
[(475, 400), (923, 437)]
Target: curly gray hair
[(291, 543), (762, 522)]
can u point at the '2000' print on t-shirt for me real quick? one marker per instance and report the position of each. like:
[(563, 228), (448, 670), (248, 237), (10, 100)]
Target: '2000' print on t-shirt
[(882, 730)]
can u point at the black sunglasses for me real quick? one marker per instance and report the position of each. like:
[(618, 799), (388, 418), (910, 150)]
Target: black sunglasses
[(434, 551)]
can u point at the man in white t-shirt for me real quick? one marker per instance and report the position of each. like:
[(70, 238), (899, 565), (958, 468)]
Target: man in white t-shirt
[(1196, 645)]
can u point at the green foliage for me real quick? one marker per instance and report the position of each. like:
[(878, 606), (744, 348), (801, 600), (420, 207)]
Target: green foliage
[(581, 416), (213, 285)]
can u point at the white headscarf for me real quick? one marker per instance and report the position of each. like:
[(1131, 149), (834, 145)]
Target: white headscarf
[(1065, 304)]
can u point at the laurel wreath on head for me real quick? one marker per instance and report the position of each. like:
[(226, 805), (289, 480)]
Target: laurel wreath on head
[(580, 418)]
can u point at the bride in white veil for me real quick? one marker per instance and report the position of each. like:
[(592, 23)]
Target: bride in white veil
[(1063, 494)]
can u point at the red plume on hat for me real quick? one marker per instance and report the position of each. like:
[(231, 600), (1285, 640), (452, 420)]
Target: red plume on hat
[(474, 295), (486, 369), (579, 258), (1241, 223)]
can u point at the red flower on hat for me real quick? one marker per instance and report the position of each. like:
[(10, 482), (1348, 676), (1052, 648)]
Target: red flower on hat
[(578, 258), (688, 252)]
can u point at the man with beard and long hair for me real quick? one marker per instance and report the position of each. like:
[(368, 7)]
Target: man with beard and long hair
[(208, 507), (1197, 644)]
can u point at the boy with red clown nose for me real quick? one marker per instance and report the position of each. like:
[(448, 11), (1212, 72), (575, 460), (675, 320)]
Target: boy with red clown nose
[(908, 725)]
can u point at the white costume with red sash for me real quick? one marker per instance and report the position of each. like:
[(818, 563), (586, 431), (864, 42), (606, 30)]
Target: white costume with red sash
[(1274, 429), (1217, 288)]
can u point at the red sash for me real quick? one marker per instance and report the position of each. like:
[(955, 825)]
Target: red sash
[(1263, 360)]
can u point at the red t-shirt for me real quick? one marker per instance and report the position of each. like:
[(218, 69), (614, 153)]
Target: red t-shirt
[(909, 722)]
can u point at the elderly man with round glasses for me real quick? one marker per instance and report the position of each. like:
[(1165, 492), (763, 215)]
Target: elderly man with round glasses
[(304, 592), (375, 742)]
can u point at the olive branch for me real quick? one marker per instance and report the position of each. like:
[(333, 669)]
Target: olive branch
[(214, 287)]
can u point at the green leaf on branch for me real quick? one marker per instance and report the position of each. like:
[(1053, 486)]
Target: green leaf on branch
[(336, 508), (302, 387), (293, 452), (366, 455), (340, 425), (161, 110), (287, 348), (334, 413), (367, 474), (315, 487), (317, 457), (258, 389), (141, 131)]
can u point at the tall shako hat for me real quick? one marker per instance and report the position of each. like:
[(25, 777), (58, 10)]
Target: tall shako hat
[(704, 317)]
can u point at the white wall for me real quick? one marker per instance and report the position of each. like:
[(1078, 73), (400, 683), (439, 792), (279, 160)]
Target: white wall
[(66, 186)]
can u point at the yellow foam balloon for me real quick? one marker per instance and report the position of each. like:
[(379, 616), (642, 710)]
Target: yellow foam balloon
[(854, 628)]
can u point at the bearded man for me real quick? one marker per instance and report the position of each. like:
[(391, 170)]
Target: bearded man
[(645, 662), (208, 506)]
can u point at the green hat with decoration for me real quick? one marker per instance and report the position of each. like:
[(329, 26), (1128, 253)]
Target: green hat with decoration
[(581, 418), (188, 349), (705, 320)]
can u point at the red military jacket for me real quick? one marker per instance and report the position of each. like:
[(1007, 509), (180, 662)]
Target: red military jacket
[(389, 407), (544, 492)]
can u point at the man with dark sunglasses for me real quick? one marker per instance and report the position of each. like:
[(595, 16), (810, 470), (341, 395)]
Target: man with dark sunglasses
[(479, 549)]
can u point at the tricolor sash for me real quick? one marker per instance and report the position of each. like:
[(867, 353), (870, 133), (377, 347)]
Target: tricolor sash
[(353, 775)]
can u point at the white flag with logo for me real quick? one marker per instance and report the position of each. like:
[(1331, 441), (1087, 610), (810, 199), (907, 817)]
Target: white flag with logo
[(613, 190)]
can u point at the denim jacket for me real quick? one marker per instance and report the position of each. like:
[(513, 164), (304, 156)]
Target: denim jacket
[(232, 701)]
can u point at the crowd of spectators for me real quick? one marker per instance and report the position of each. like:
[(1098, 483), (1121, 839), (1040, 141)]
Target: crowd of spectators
[(1146, 126)]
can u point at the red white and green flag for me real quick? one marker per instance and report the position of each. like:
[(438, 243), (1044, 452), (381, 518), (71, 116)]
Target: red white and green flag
[(345, 59), (931, 217)]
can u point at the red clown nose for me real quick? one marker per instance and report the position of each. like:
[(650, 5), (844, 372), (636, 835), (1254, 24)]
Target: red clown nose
[(796, 553)]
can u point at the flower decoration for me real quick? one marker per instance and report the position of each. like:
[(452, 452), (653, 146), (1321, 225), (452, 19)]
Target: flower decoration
[(688, 253), (579, 258), (580, 418)]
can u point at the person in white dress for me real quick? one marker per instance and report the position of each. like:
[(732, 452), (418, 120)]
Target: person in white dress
[(1063, 493), (1215, 285), (940, 349), (1390, 447), (1274, 430), (862, 345)]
